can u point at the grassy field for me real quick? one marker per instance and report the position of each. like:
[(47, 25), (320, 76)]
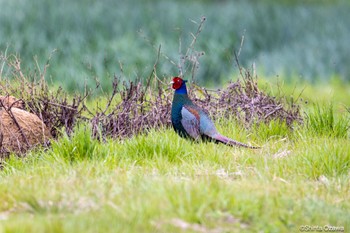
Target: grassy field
[(161, 183)]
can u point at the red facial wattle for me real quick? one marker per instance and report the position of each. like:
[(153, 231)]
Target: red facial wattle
[(177, 83)]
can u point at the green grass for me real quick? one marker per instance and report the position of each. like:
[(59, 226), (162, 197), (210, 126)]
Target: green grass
[(160, 182), (322, 121)]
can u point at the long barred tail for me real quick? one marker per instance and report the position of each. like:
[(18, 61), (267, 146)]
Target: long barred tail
[(231, 142)]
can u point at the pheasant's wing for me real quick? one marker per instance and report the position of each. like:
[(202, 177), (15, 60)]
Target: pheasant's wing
[(207, 126), (190, 121), (197, 123)]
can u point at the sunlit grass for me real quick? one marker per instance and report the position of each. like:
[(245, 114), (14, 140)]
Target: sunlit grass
[(159, 182)]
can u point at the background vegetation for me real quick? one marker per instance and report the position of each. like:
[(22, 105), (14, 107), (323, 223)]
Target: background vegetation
[(284, 38), (157, 181)]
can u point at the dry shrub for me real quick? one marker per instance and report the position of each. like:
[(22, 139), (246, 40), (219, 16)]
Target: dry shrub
[(55, 107), (21, 130), (245, 102), (140, 109)]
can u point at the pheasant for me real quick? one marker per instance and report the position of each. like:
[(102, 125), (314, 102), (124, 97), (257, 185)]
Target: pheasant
[(190, 121)]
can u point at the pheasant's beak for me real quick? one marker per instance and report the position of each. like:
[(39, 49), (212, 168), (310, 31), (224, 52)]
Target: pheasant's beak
[(171, 83)]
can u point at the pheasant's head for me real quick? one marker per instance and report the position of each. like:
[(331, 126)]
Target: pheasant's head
[(178, 82)]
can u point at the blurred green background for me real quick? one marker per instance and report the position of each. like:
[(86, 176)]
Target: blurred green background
[(306, 40)]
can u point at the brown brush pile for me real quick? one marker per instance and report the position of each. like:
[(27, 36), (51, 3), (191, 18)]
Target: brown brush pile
[(133, 108), (245, 102), (139, 110)]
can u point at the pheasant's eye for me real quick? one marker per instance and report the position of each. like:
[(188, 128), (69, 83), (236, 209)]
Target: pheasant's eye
[(177, 83)]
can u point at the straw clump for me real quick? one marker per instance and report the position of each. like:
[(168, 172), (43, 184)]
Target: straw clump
[(19, 130)]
